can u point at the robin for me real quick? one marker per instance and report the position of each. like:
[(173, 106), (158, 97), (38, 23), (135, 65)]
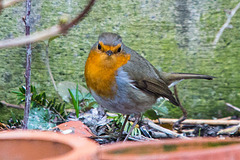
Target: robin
[(123, 81)]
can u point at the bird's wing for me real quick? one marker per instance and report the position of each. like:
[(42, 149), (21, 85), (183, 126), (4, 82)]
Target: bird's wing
[(146, 77), (156, 87)]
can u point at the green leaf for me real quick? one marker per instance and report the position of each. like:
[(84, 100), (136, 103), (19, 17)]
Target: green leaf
[(22, 89), (62, 88), (93, 104), (151, 114), (75, 93), (72, 96), (41, 118), (88, 96), (75, 101)]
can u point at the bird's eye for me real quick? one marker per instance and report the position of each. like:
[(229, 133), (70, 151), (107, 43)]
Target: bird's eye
[(99, 46), (119, 49)]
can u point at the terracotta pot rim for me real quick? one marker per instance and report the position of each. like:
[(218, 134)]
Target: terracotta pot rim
[(72, 141), (167, 141), (170, 155)]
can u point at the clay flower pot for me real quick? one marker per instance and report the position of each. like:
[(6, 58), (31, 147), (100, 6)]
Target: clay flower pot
[(196, 149), (36, 145)]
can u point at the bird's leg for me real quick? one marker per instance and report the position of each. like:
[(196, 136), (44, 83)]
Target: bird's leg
[(133, 126), (176, 124), (123, 126)]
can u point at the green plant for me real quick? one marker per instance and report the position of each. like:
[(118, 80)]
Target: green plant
[(40, 100), (158, 110), (81, 101), (15, 120), (119, 119), (41, 118), (75, 100)]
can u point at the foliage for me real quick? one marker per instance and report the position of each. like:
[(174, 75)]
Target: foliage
[(118, 119), (15, 120), (158, 110), (41, 118), (75, 100), (81, 101), (40, 100)]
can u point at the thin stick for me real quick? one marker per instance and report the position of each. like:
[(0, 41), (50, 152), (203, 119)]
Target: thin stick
[(133, 126), (48, 33), (198, 121), (12, 105), (233, 107), (232, 13), (166, 131), (35, 37), (79, 17), (8, 3), (48, 67), (1, 5), (177, 123), (28, 66), (123, 126)]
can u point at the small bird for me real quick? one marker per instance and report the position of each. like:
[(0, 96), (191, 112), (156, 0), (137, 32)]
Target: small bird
[(123, 81)]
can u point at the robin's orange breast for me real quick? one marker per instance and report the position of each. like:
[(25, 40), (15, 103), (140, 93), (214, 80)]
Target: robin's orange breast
[(100, 72)]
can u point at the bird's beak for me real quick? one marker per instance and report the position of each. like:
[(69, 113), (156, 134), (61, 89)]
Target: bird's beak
[(109, 52)]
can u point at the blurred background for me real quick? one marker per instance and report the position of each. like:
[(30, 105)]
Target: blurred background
[(174, 35)]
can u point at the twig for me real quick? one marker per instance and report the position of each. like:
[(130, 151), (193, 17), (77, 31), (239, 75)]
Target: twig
[(48, 33), (199, 121), (233, 107), (38, 36), (12, 105), (164, 130), (3, 126), (1, 5), (28, 66), (48, 67), (79, 17), (59, 114), (176, 124), (8, 3), (123, 126), (232, 13), (225, 118)]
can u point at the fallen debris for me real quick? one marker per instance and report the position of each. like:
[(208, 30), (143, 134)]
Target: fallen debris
[(166, 131), (230, 130), (199, 121), (233, 107)]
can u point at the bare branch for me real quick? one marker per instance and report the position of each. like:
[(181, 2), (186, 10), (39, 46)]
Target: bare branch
[(48, 33), (233, 107), (232, 13), (79, 17), (199, 121), (38, 36), (8, 3), (48, 67), (28, 67), (12, 105), (164, 130), (1, 5)]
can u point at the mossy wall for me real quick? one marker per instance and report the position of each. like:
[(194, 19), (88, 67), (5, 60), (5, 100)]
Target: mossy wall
[(174, 35)]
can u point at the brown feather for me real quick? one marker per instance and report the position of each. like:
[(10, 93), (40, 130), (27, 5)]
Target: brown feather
[(158, 88)]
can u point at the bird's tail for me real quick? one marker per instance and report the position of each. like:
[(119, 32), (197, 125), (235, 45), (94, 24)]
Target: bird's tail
[(172, 77)]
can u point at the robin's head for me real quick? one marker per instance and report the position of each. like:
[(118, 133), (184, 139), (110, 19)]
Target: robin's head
[(104, 60), (109, 43)]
